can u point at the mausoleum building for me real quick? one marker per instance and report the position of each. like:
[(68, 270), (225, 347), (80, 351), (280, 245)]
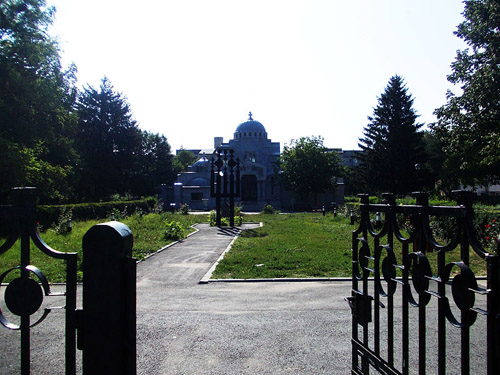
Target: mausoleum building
[(258, 157)]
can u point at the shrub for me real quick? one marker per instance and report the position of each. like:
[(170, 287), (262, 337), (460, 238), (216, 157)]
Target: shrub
[(174, 231), (63, 225), (184, 209), (213, 218), (268, 209)]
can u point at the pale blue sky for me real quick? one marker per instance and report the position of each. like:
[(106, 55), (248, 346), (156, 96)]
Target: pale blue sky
[(192, 70)]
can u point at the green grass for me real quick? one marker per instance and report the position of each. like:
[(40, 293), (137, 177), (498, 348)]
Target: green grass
[(304, 245), (292, 245), (148, 231)]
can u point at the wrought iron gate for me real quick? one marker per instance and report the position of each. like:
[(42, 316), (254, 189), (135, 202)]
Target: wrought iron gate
[(24, 295), (378, 271), (106, 325)]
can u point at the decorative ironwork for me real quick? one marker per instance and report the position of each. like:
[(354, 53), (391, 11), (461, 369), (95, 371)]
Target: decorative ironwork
[(24, 295), (225, 181), (374, 271)]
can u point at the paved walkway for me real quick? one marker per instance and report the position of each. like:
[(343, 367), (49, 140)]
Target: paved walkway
[(184, 327)]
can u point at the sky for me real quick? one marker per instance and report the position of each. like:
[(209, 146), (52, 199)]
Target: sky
[(192, 70)]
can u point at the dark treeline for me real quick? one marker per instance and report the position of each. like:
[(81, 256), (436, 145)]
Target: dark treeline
[(72, 145)]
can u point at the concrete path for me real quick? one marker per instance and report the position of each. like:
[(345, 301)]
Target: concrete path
[(184, 327)]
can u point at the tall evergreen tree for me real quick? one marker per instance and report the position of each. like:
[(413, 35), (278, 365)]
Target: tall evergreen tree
[(469, 123), (392, 143), (108, 141)]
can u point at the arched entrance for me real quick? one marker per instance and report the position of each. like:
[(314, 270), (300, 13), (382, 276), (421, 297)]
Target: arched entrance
[(249, 188)]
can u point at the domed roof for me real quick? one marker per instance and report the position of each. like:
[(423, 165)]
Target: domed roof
[(250, 128), (202, 164), (199, 181)]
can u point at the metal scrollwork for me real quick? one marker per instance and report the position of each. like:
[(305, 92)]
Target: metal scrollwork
[(24, 296), (454, 283)]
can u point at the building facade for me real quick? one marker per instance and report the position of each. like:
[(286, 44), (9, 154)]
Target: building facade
[(258, 157)]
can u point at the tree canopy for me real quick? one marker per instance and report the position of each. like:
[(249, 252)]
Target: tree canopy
[(69, 144), (469, 123), (116, 156), (37, 121), (308, 167), (392, 143)]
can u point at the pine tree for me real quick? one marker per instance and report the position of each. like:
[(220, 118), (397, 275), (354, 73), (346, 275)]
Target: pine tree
[(392, 143), (108, 141)]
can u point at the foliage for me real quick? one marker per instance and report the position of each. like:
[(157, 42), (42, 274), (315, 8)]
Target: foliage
[(64, 222), (392, 143), (469, 123), (117, 157), (37, 121), (48, 215), (174, 231), (184, 209), (268, 209), (212, 218), (224, 221), (182, 160), (308, 167), (492, 231), (107, 140)]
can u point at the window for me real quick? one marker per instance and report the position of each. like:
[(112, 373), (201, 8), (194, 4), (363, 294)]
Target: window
[(196, 196)]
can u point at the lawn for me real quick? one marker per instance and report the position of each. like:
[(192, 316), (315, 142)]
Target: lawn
[(291, 245), (304, 245), (148, 231)]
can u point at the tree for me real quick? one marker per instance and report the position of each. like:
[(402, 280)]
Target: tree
[(182, 160), (108, 141), (155, 165), (308, 167), (392, 143), (37, 122), (469, 123)]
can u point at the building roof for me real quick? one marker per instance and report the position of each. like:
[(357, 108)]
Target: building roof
[(250, 128)]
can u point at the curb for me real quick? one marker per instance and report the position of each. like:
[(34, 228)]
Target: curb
[(206, 279), (196, 230)]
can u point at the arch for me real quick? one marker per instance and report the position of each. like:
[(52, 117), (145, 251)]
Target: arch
[(249, 188)]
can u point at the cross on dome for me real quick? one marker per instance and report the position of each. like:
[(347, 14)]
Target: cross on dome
[(250, 116)]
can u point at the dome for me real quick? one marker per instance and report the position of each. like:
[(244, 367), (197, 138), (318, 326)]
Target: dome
[(201, 165), (250, 128), (199, 181)]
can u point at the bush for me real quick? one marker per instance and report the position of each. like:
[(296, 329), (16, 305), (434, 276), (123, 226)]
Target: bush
[(268, 209), (213, 218), (63, 225), (184, 209), (174, 231)]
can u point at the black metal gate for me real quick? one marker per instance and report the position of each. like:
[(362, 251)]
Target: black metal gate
[(396, 340), (105, 328), (224, 181), (24, 295)]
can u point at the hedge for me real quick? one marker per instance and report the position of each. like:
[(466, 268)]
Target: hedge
[(47, 215)]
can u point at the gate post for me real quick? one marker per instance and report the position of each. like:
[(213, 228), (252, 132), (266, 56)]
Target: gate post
[(108, 334)]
